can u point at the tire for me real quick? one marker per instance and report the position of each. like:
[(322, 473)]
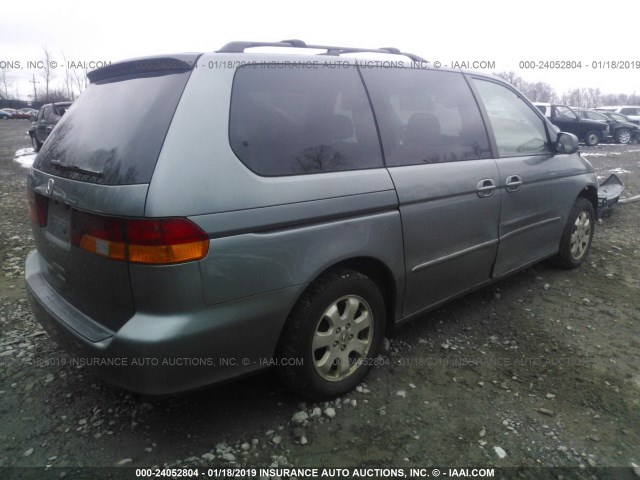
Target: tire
[(5, 117), (592, 138), (35, 144), (623, 136), (577, 235), (334, 333)]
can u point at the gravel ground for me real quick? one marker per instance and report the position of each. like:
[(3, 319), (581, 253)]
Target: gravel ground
[(541, 369)]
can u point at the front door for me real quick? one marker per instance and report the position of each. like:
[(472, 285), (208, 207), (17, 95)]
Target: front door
[(531, 176)]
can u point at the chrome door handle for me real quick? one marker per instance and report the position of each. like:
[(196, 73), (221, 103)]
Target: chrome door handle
[(513, 183), (485, 187)]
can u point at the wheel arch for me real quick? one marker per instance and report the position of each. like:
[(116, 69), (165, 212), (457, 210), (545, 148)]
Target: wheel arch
[(374, 268), (590, 192)]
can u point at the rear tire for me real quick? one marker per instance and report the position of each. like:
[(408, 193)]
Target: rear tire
[(623, 136), (592, 138), (332, 335), (577, 235)]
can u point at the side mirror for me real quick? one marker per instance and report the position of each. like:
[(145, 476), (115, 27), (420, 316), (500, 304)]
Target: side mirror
[(566, 143)]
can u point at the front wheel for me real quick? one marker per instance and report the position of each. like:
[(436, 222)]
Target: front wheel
[(592, 138), (623, 136), (577, 236), (332, 336)]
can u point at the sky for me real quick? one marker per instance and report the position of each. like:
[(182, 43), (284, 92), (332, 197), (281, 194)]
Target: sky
[(502, 32)]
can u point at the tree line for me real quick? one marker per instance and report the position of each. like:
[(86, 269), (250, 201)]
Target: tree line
[(577, 97)]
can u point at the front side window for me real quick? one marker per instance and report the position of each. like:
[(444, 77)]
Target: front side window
[(518, 130), (288, 120), (618, 117), (426, 116), (565, 112), (593, 116)]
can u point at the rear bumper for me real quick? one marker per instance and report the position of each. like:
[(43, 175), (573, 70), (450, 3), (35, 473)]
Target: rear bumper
[(158, 354)]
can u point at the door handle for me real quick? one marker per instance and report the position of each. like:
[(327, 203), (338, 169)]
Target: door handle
[(513, 183), (485, 187)]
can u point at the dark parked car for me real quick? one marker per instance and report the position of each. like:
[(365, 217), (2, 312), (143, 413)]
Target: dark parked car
[(591, 132), (632, 112), (621, 130), (624, 122), (47, 118), (294, 221)]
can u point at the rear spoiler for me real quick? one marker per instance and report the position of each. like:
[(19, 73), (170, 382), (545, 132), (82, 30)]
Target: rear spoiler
[(173, 63)]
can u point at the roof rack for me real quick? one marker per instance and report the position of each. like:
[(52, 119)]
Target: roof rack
[(239, 47)]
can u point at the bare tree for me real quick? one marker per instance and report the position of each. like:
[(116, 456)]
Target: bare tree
[(35, 90), (81, 79), (6, 83), (536, 92), (68, 80), (47, 74), (594, 97)]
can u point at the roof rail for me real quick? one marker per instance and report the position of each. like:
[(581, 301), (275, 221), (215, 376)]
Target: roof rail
[(239, 47)]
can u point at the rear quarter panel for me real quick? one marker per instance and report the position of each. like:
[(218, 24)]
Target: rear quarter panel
[(267, 233)]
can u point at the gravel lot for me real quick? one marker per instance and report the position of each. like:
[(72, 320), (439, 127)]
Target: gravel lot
[(541, 369)]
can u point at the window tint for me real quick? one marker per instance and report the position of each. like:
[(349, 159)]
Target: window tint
[(287, 120), (518, 130), (426, 116), (114, 132)]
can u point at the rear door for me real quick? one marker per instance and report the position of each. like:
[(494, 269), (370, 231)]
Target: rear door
[(530, 179), (437, 152)]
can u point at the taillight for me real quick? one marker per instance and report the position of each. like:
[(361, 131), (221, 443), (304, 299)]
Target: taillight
[(158, 241), (172, 240), (38, 205)]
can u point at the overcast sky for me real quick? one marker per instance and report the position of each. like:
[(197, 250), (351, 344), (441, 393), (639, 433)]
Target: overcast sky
[(499, 31)]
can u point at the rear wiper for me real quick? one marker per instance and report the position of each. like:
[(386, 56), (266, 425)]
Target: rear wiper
[(74, 168)]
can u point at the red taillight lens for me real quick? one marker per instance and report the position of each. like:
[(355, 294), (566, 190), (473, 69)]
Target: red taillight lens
[(164, 241), (38, 205), (100, 235), (172, 240)]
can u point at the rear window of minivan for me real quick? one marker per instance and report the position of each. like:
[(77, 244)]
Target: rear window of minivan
[(113, 133), (286, 119)]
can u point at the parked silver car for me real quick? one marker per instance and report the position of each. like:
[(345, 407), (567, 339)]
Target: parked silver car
[(286, 210)]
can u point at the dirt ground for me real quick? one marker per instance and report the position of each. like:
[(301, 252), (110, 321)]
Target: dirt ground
[(541, 369)]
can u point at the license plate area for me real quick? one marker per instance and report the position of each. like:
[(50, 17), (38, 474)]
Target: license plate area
[(59, 224)]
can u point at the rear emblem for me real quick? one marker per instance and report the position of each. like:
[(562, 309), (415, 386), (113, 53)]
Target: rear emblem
[(49, 186)]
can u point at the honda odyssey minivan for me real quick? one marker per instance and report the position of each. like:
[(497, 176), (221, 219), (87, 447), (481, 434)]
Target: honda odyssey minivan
[(199, 217)]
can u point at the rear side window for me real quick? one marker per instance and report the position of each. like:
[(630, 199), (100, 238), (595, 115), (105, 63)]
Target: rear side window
[(426, 116), (112, 135), (289, 120), (518, 130)]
